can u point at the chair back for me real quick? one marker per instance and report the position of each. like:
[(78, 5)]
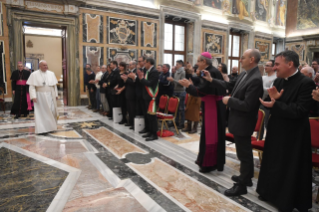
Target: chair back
[(163, 103), (260, 121), (173, 105), (314, 127)]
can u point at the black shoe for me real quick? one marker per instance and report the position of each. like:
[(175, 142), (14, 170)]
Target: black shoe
[(236, 190), (143, 131), (147, 135), (236, 179), (151, 138), (131, 128), (127, 125), (206, 169), (261, 198), (110, 118), (16, 117)]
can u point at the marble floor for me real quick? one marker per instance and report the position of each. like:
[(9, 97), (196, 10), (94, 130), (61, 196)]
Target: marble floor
[(93, 164)]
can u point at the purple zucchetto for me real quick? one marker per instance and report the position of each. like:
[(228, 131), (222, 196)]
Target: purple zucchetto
[(207, 55)]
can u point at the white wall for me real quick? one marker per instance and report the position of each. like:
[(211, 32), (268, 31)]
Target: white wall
[(51, 47)]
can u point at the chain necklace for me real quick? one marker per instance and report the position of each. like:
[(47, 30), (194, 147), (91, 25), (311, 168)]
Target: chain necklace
[(43, 78)]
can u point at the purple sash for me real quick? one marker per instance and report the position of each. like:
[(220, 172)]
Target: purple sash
[(211, 129)]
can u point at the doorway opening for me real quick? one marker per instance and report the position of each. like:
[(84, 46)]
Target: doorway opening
[(49, 44)]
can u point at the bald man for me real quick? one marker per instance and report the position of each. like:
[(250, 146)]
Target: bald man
[(234, 74), (308, 72), (43, 91)]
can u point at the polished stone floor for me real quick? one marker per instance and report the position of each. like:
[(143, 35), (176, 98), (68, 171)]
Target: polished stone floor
[(93, 164)]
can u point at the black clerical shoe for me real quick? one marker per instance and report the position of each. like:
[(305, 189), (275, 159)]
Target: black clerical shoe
[(236, 179), (151, 138), (236, 190), (147, 135), (261, 198), (127, 125), (110, 118), (122, 122), (16, 117), (131, 128), (143, 131), (206, 169)]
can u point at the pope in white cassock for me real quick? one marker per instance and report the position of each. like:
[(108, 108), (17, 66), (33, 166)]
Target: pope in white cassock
[(43, 91)]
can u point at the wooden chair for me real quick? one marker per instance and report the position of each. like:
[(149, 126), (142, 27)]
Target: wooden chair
[(170, 114), (2, 100), (314, 128)]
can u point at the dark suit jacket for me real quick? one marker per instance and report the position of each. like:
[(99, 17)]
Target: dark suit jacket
[(113, 79), (130, 88), (102, 81), (151, 82), (139, 87), (244, 104)]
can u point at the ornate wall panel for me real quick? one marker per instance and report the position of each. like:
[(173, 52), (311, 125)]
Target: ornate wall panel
[(149, 53), (92, 28), (261, 9), (120, 55), (299, 48), (3, 78), (281, 10), (264, 46), (149, 34), (93, 55), (214, 42), (122, 31)]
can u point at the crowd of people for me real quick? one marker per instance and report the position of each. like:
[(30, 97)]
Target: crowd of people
[(286, 94)]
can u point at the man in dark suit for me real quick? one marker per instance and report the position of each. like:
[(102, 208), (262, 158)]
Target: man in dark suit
[(243, 106), (130, 94), (111, 83), (150, 82)]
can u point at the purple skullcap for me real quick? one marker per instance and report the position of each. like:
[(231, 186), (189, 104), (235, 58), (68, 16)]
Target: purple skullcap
[(207, 55)]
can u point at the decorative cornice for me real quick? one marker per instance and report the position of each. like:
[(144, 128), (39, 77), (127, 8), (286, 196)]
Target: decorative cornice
[(220, 26), (180, 13), (241, 26), (120, 7)]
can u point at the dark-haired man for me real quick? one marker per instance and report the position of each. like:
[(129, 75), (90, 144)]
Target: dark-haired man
[(243, 105), (285, 178), (179, 91), (86, 83), (165, 86), (111, 83), (315, 66), (150, 82)]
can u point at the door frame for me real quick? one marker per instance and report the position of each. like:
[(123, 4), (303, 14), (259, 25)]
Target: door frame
[(16, 18)]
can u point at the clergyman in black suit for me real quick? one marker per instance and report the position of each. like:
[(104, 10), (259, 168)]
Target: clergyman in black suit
[(243, 106), (150, 82)]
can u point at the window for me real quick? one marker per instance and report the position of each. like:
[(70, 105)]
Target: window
[(29, 65), (274, 49), (234, 51), (174, 42)]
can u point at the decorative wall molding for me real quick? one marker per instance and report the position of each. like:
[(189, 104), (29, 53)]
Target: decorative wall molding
[(44, 6), (214, 25)]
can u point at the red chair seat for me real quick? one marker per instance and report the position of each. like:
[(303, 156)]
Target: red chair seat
[(315, 160), (258, 145), (1, 100), (230, 137)]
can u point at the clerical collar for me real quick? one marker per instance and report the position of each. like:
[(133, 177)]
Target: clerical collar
[(292, 75), (150, 68)]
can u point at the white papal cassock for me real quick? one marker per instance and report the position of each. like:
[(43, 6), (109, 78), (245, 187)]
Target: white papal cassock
[(42, 86)]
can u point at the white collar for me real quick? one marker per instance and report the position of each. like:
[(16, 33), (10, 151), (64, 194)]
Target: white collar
[(292, 75)]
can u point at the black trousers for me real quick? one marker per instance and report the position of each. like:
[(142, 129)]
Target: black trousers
[(131, 108), (139, 107), (150, 120), (93, 99), (123, 104), (245, 155), (110, 100)]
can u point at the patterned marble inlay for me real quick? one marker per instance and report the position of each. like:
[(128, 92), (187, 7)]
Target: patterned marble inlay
[(27, 184), (114, 200), (113, 142), (193, 195), (66, 134)]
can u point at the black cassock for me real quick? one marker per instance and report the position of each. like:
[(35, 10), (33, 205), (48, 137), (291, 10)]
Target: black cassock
[(20, 105), (211, 149), (285, 177)]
